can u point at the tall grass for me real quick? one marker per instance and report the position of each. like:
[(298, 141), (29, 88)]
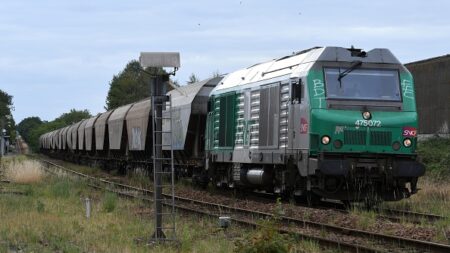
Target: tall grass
[(51, 221), (61, 189), (23, 171), (109, 202)]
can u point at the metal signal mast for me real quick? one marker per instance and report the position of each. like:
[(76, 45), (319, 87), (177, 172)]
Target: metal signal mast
[(164, 231)]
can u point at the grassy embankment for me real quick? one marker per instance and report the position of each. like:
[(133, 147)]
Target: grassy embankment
[(49, 216)]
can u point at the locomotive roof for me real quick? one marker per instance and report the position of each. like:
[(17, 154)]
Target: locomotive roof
[(297, 64)]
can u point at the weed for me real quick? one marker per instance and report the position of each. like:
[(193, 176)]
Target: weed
[(61, 189), (366, 219), (139, 177), (279, 211), (266, 238), (307, 215), (77, 227), (28, 190), (307, 246), (40, 207), (109, 202)]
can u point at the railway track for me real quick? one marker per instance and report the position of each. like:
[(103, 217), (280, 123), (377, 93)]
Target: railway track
[(352, 240), (394, 215), (415, 217)]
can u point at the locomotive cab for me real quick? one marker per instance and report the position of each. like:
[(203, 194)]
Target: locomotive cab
[(363, 127)]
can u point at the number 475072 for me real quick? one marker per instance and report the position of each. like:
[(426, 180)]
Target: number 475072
[(371, 123)]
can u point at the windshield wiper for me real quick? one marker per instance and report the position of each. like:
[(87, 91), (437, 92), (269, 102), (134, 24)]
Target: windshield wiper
[(354, 65)]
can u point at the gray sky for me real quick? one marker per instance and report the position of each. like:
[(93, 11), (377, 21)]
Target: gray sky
[(57, 55)]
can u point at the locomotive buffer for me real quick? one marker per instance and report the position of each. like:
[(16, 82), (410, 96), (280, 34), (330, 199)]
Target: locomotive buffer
[(164, 231)]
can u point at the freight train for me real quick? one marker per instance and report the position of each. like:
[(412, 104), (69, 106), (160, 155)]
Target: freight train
[(327, 122)]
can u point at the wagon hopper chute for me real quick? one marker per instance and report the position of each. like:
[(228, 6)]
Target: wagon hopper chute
[(189, 109)]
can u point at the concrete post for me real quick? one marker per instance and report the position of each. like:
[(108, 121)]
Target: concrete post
[(87, 203)]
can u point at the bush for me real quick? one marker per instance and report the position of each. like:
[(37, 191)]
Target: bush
[(434, 153), (266, 239)]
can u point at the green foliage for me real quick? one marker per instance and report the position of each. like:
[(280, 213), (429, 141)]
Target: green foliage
[(61, 189), (279, 211), (216, 74), (109, 202), (193, 79), (73, 116), (266, 239), (6, 119), (27, 125), (28, 190), (435, 154), (130, 85), (40, 207), (5, 103)]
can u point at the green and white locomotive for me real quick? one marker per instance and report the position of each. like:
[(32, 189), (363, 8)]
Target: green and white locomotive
[(325, 122)]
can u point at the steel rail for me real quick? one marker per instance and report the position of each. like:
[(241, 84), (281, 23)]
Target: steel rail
[(393, 215), (416, 215)]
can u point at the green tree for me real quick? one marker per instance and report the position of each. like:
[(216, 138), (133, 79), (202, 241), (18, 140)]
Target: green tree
[(5, 103), (216, 74), (193, 79), (27, 125), (6, 118), (130, 85), (73, 116)]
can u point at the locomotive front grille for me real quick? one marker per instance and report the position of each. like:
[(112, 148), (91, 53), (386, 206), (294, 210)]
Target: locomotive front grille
[(380, 138), (355, 137)]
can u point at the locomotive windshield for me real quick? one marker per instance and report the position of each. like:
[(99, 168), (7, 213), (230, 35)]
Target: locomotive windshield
[(364, 84)]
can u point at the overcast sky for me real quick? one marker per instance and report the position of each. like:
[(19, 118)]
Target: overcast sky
[(56, 55)]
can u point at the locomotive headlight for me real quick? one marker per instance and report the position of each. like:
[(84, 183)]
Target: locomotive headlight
[(407, 142), (325, 140), (367, 115)]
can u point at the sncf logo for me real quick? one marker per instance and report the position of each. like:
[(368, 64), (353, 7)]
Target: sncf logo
[(409, 131), (303, 126)]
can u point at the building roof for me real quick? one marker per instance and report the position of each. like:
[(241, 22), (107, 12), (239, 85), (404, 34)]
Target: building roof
[(433, 59)]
